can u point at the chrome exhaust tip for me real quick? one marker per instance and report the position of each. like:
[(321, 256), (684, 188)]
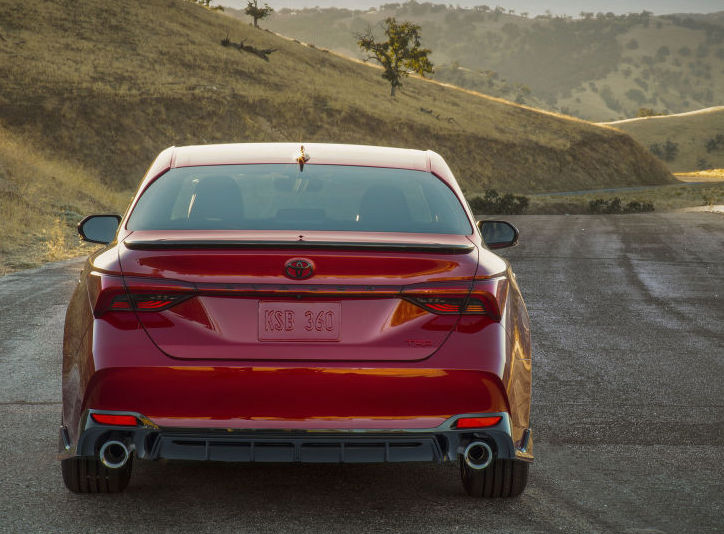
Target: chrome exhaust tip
[(478, 455), (114, 454)]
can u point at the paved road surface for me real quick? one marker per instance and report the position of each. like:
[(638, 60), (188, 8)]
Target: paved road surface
[(628, 325)]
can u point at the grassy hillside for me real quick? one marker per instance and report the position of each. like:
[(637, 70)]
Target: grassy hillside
[(41, 201), (107, 85), (112, 84), (672, 68), (596, 66), (698, 137), (489, 83)]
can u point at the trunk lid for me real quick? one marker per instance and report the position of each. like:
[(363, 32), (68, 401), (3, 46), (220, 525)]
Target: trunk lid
[(245, 307)]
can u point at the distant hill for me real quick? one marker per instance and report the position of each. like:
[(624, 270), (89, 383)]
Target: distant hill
[(535, 7), (698, 138), (111, 84), (597, 66)]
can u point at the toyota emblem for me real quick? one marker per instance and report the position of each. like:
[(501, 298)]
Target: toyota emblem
[(298, 268)]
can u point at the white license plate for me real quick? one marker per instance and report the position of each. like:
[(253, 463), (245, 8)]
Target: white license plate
[(299, 321)]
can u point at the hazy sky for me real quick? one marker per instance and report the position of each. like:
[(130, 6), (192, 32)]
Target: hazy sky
[(534, 7)]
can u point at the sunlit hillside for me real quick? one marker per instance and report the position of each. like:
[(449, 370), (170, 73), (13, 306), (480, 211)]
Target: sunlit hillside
[(695, 140), (111, 84), (102, 87), (598, 66), (42, 199)]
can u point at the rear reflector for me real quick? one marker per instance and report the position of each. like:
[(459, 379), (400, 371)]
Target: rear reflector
[(477, 422), (118, 420)]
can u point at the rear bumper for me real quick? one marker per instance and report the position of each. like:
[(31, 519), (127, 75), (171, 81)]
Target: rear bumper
[(440, 444), (303, 398)]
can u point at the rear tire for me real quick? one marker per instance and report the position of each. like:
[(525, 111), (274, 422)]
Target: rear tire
[(86, 474), (501, 479)]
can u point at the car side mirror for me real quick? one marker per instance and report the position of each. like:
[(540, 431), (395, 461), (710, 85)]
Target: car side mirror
[(99, 228), (498, 234)]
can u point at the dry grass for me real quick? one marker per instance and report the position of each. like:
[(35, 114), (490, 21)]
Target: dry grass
[(664, 198), (662, 78), (127, 79), (709, 175), (690, 131), (41, 202)]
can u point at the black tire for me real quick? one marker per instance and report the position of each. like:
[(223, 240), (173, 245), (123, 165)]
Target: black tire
[(501, 479), (86, 474)]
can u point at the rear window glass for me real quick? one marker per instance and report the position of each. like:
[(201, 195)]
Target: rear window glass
[(280, 197)]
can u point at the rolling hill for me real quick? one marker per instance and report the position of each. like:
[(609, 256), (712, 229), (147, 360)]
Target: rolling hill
[(698, 137), (42, 198), (596, 66), (104, 86)]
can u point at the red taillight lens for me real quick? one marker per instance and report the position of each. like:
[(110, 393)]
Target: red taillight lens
[(477, 422), (114, 293), (102, 289), (443, 299), (139, 302), (121, 302), (117, 420), (452, 305), (485, 296), (440, 305)]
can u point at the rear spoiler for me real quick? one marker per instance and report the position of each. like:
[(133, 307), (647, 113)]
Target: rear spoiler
[(191, 244)]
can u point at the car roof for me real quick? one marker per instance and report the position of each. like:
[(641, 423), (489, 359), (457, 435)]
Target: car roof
[(318, 153)]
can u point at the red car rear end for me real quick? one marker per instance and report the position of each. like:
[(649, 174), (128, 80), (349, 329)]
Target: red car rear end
[(271, 303)]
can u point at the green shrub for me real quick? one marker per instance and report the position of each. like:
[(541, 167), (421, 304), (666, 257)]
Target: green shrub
[(614, 205), (608, 97), (702, 163), (493, 203), (671, 149), (666, 151), (715, 143), (636, 95)]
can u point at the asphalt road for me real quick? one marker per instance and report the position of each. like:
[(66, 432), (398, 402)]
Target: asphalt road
[(628, 331)]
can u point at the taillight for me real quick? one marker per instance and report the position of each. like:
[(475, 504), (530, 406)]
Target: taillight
[(480, 297), (477, 422), (111, 419), (452, 305), (114, 293), (140, 302)]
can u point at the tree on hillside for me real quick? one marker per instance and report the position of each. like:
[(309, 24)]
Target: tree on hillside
[(666, 151), (399, 54), (256, 12)]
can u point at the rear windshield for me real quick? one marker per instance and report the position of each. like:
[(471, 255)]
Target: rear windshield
[(280, 197)]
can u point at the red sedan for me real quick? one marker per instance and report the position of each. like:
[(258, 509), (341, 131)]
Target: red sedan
[(278, 303)]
